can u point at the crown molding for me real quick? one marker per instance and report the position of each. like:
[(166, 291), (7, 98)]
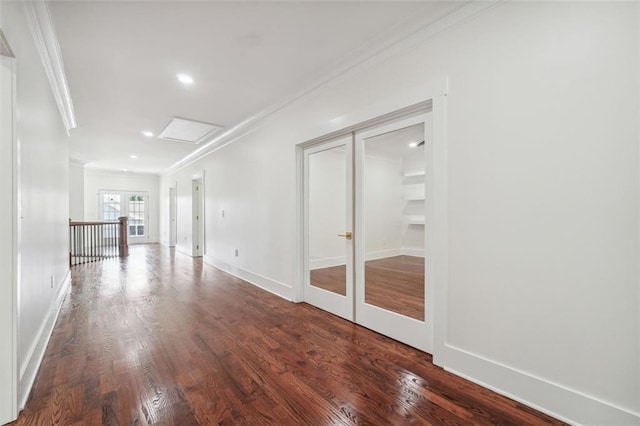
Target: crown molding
[(111, 172), (404, 37), (46, 42)]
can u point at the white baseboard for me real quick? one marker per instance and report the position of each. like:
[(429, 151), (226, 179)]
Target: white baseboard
[(382, 254), (134, 243), (328, 262), (413, 252), (272, 286), (29, 369), (568, 405)]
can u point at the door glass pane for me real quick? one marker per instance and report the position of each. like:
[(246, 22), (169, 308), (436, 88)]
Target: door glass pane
[(327, 218), (111, 207), (136, 215), (394, 237), (110, 211)]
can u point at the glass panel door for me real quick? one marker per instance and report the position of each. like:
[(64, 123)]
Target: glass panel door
[(328, 227), (111, 207), (133, 205), (364, 228), (137, 215), (390, 245)]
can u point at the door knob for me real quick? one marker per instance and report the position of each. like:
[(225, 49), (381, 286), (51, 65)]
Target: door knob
[(347, 235)]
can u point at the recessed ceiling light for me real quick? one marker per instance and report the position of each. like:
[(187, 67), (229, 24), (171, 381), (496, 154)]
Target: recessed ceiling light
[(185, 79), (133, 156), (413, 144), (147, 133)]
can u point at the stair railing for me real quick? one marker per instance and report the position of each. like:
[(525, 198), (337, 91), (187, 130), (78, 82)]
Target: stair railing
[(94, 241)]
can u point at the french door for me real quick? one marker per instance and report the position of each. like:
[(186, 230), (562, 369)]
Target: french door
[(328, 203), (364, 211), (133, 205)]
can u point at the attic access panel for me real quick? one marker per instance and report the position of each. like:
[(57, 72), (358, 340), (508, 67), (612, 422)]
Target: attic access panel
[(188, 131)]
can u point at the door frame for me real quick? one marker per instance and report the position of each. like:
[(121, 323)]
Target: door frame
[(430, 96), (10, 229)]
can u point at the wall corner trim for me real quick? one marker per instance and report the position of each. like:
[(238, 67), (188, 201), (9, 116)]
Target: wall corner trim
[(29, 370), (46, 42)]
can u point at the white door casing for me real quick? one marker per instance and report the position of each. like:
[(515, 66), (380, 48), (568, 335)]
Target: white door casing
[(8, 244)]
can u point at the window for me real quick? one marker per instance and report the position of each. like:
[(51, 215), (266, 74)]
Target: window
[(133, 205)]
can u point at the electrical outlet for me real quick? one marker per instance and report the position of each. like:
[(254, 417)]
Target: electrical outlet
[(236, 252), (51, 281)]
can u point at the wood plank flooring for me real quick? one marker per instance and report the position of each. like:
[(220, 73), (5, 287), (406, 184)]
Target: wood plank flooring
[(160, 338), (393, 283)]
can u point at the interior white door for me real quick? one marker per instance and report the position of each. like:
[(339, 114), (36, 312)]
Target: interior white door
[(328, 227), (390, 287), (197, 220), (173, 228)]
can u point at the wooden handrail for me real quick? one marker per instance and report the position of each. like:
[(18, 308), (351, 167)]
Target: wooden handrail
[(92, 241)]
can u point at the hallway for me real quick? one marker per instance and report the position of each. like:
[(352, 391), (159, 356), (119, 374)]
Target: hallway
[(160, 338)]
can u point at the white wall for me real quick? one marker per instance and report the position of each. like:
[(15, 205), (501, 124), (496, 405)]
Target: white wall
[(413, 235), (383, 205), (543, 198), (327, 208), (97, 180), (76, 192), (43, 204)]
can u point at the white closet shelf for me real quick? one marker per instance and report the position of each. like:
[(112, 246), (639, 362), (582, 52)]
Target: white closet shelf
[(415, 219), (413, 172), (414, 191)]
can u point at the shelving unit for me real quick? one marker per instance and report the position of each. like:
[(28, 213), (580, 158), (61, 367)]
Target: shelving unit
[(414, 194)]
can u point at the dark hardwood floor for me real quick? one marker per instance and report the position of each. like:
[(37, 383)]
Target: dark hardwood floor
[(332, 279), (160, 338), (394, 283)]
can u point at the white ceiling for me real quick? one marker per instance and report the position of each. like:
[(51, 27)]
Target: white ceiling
[(121, 61)]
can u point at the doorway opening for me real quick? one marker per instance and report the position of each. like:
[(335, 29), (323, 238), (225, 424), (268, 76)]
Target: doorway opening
[(132, 204), (372, 227), (197, 208), (173, 224)]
